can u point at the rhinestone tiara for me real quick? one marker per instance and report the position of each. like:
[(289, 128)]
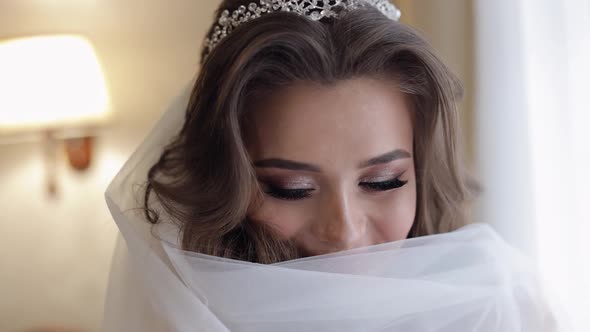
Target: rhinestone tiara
[(311, 9)]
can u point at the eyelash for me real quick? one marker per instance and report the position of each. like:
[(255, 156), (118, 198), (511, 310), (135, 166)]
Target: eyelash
[(384, 185), (297, 194)]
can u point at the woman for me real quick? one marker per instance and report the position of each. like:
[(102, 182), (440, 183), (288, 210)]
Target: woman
[(320, 139), (333, 93)]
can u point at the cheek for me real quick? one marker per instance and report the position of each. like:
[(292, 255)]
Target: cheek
[(286, 218), (394, 216)]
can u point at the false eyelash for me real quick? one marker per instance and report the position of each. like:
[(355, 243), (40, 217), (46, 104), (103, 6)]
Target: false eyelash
[(288, 194), (384, 185)]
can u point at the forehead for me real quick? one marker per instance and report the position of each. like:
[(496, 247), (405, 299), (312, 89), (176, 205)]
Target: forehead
[(351, 119)]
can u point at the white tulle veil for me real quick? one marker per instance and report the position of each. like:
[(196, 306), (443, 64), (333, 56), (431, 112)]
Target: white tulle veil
[(466, 280)]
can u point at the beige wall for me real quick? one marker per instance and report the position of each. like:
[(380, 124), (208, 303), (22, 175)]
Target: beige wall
[(55, 254)]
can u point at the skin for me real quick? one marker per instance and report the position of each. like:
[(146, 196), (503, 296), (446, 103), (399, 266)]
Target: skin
[(325, 147)]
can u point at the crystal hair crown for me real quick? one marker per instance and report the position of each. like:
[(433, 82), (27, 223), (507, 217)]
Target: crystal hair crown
[(311, 9)]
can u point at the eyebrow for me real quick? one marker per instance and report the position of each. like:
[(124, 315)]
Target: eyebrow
[(299, 166)]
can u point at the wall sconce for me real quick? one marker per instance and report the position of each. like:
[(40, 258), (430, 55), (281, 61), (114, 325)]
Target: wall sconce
[(52, 89)]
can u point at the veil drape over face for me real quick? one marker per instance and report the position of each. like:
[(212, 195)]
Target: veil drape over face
[(465, 280)]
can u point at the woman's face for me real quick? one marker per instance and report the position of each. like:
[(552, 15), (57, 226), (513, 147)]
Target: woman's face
[(335, 163)]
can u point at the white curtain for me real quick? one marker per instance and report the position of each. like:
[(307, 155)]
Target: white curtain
[(533, 136)]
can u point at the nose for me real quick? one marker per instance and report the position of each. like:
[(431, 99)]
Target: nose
[(341, 225)]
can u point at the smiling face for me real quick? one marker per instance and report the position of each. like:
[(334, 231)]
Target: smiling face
[(335, 164)]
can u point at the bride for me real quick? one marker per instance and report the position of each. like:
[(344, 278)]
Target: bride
[(312, 181)]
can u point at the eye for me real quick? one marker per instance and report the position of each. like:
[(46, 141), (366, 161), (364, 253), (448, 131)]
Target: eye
[(287, 194), (383, 185)]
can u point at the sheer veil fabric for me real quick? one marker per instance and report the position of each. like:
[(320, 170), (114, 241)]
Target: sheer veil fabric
[(466, 280)]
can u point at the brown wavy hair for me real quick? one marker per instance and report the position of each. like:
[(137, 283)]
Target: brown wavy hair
[(204, 179)]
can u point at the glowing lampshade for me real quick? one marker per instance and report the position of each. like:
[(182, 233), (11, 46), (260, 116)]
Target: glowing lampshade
[(50, 83)]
